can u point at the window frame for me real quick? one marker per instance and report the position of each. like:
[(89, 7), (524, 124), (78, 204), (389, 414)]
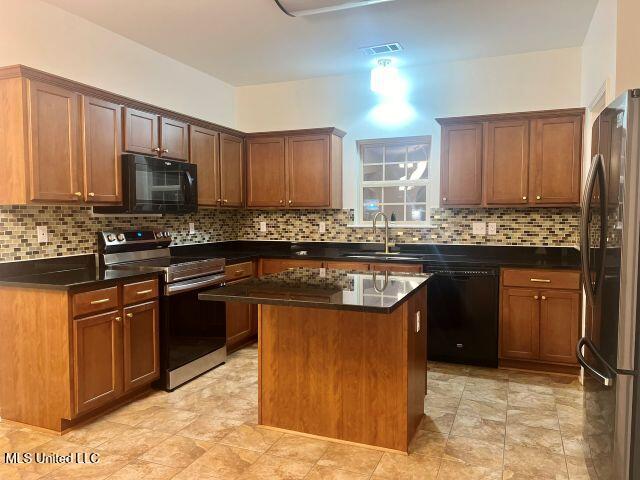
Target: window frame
[(427, 183)]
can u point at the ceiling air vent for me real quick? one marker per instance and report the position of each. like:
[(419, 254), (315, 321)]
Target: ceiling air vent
[(384, 49), (299, 8)]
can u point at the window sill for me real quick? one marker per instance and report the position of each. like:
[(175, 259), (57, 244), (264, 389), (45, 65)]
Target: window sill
[(394, 225)]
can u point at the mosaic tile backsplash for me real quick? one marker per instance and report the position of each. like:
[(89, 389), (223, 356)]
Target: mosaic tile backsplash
[(72, 230)]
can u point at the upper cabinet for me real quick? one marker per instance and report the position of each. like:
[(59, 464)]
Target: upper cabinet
[(231, 170), (295, 169), (149, 134), (520, 159)]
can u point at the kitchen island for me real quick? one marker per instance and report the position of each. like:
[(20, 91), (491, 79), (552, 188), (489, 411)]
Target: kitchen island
[(342, 354)]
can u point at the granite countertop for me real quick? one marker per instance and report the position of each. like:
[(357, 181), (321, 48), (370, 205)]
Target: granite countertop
[(324, 288)]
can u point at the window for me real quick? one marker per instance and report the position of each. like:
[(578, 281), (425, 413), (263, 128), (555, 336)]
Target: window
[(395, 179)]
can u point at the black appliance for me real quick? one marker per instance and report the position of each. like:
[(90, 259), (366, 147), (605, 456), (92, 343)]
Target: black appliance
[(156, 185), (192, 333), (462, 310), (610, 349)]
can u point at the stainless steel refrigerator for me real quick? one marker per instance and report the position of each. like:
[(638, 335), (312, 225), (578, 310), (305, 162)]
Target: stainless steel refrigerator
[(610, 241)]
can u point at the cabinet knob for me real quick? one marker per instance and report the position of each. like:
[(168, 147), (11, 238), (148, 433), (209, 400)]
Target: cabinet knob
[(524, 197), (538, 197), (225, 201), (444, 199), (535, 297), (91, 194), (290, 202), (281, 202), (219, 200), (78, 194), (164, 150), (118, 319), (543, 297), (129, 315), (157, 149)]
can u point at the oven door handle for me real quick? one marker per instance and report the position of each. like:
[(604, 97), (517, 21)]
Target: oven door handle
[(193, 284)]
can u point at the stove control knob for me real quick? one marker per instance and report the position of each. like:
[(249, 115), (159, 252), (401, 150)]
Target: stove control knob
[(111, 238), (166, 234), (159, 234), (120, 237)]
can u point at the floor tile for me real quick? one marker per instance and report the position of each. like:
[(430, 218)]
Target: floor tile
[(480, 428), (176, 451), (531, 401), (406, 467), (139, 469), (536, 462), (453, 470), (133, 442), (437, 420), (474, 452), (169, 420), (351, 458), (96, 433), (220, 462), (443, 403), (208, 428), (23, 439), (251, 437), (487, 410), (327, 473), (428, 443), (108, 464), (299, 448), (542, 438), (533, 418), (580, 468), (276, 468)]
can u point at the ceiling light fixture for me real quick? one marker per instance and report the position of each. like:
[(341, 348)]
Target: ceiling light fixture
[(385, 78), (299, 8)]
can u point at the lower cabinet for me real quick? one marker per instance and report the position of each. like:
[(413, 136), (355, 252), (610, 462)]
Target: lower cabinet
[(539, 326), (240, 320), (97, 357), (141, 351)]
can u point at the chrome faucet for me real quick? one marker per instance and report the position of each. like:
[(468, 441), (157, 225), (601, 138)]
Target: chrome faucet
[(386, 230)]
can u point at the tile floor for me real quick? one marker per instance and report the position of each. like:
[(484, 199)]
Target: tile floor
[(480, 424)]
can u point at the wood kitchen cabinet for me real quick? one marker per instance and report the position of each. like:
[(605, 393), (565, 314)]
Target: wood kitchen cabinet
[(149, 134), (461, 165), (102, 137), (231, 170), (203, 144), (295, 169), (539, 319), (525, 159), (242, 318), (93, 349), (276, 265)]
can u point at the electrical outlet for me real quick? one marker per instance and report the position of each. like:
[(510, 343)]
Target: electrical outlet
[(192, 228), (479, 228), (43, 235), (492, 228), (263, 226), (322, 227)]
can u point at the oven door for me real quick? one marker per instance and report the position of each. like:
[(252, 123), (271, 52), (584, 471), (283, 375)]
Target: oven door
[(193, 332), (160, 186)]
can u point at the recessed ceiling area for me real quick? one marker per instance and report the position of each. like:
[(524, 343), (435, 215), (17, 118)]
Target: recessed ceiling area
[(252, 41)]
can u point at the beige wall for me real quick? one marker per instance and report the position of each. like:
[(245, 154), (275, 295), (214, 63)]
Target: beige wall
[(533, 81), (42, 36), (628, 52)]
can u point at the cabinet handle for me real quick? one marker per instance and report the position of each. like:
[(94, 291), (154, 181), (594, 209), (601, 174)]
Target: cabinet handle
[(129, 315), (98, 302), (543, 297), (538, 197), (535, 297), (524, 197), (142, 292), (164, 150), (219, 200), (91, 194), (157, 149), (238, 272), (540, 280), (118, 319), (78, 194)]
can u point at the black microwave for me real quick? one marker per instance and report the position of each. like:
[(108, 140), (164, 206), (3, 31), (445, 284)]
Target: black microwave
[(155, 185)]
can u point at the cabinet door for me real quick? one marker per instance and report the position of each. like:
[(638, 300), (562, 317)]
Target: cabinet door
[(461, 165), (231, 170), (395, 267), (54, 143), (265, 172), (141, 132), (97, 360), (204, 153), (102, 128), (519, 324), (506, 162), (174, 139), (308, 171), (556, 150), (559, 317), (141, 350), (239, 326)]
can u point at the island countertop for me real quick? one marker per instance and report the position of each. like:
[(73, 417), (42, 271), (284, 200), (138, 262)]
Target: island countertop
[(324, 288)]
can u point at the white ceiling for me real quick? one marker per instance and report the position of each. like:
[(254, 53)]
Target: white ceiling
[(244, 42)]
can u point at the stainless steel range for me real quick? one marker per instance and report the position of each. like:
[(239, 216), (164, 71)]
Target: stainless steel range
[(192, 333)]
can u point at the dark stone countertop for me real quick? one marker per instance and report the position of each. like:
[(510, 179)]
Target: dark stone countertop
[(324, 288)]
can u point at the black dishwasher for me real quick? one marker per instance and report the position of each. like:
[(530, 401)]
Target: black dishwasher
[(462, 315)]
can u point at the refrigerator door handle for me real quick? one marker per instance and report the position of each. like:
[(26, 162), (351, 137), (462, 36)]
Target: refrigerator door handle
[(596, 174), (606, 380)]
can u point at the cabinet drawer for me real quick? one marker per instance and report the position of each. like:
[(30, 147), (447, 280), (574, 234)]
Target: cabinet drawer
[(396, 267), (95, 301), (140, 291), (239, 270), (564, 279)]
